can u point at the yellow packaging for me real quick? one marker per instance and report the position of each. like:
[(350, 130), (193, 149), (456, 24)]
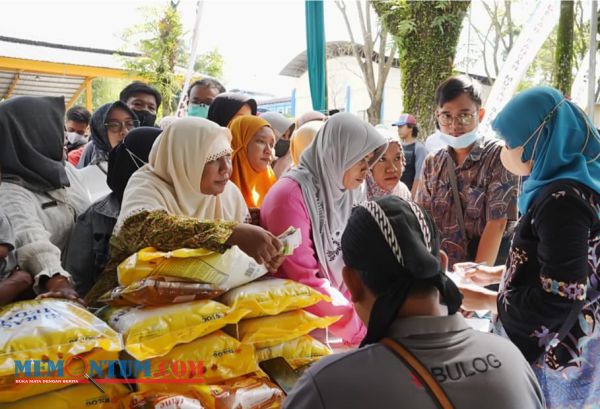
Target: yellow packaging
[(50, 329), (222, 356), (272, 296), (228, 270), (151, 332), (269, 331), (160, 400), (299, 350), (75, 397), (11, 391)]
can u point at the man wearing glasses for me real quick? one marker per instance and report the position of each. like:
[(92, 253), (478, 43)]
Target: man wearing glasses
[(470, 195)]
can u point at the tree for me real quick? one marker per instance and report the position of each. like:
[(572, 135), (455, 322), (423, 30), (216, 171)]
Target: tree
[(373, 78), (498, 38), (563, 68), (159, 39), (210, 63), (426, 33)]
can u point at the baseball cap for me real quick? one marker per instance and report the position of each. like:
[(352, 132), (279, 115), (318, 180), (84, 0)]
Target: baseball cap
[(405, 119)]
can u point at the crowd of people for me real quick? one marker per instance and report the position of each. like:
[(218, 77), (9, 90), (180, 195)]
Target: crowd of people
[(382, 219)]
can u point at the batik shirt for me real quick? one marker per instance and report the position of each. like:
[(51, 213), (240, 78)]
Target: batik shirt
[(486, 189), (549, 299)]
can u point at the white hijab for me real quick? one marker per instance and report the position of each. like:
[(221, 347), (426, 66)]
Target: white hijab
[(171, 179), (342, 141)]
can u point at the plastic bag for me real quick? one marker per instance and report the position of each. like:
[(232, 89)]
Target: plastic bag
[(272, 296), (300, 351), (160, 400), (75, 397), (228, 270), (11, 391), (248, 392), (222, 356), (151, 332), (50, 329), (269, 331), (160, 291)]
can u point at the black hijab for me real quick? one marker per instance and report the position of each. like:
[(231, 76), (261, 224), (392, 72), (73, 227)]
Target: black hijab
[(226, 105), (393, 243), (100, 144), (128, 156), (32, 142)]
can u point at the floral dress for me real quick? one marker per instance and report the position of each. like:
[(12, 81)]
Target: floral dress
[(549, 299)]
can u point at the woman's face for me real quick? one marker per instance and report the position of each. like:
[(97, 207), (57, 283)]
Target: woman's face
[(388, 170), (356, 174), (260, 149), (118, 123), (215, 176)]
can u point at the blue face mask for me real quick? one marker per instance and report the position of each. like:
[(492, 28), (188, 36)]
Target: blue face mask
[(198, 110), (459, 142)]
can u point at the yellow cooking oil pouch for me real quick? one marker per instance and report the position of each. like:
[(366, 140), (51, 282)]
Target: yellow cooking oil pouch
[(75, 397), (160, 400), (272, 296), (150, 332), (272, 330), (303, 349), (11, 391), (50, 329), (228, 270), (218, 355)]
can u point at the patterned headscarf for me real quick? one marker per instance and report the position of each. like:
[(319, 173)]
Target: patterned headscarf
[(393, 243)]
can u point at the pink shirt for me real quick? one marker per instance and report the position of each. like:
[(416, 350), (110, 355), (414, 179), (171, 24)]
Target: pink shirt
[(284, 207)]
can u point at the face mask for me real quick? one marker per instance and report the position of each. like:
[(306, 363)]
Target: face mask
[(511, 160), (282, 147), (74, 137), (198, 110), (459, 142), (145, 117)]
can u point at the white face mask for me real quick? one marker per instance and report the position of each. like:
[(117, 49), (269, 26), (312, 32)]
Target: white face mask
[(74, 137), (459, 142)]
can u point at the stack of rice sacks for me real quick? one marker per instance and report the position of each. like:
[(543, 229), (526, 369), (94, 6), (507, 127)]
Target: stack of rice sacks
[(54, 330)]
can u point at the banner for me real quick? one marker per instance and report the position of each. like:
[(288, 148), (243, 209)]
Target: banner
[(534, 34)]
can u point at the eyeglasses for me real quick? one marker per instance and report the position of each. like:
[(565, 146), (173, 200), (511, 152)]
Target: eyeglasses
[(464, 119), (117, 126)]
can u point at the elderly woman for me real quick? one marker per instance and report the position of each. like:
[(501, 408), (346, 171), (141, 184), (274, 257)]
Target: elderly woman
[(184, 197)]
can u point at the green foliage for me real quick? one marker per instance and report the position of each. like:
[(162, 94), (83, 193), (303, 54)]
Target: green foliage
[(210, 63), (427, 34), (159, 40)]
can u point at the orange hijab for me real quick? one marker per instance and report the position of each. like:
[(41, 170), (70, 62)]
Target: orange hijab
[(254, 185)]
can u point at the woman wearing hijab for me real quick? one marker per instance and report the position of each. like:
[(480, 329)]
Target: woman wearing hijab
[(252, 143), (109, 125), (310, 116), (383, 178), (229, 105), (183, 198), (317, 197), (283, 128), (39, 194), (393, 270), (302, 138), (88, 250), (548, 302)]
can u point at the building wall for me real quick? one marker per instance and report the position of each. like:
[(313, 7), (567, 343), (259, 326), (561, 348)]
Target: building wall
[(344, 72)]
